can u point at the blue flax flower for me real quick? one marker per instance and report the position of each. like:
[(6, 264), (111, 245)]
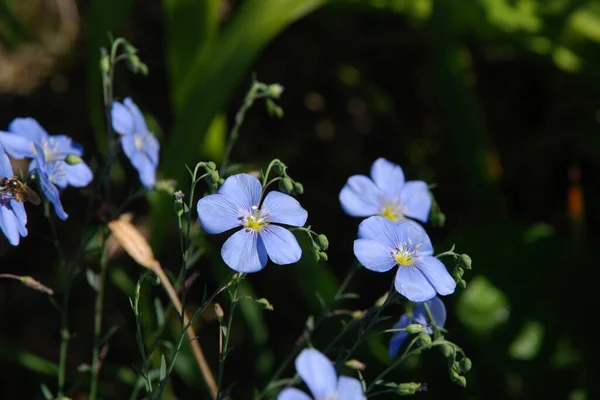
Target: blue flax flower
[(48, 173), (237, 205), (418, 316), (12, 212), (139, 144), (386, 194), (319, 375), (381, 245), (27, 139)]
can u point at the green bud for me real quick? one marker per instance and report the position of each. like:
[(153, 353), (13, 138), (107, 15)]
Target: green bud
[(143, 69), (465, 261), (458, 273), (298, 188), (447, 350), (105, 63), (415, 328), (322, 242), (454, 375), (219, 314), (279, 168), (264, 304), (425, 339), (214, 176), (438, 219), (274, 90), (462, 284), (210, 165), (323, 256), (288, 185), (221, 181), (178, 207), (129, 48), (72, 159), (465, 365), (460, 381), (408, 388)]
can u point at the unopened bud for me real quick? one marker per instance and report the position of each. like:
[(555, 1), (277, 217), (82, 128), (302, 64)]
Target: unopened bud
[(105, 63), (214, 176), (447, 350), (287, 185), (425, 339), (179, 196), (415, 328), (458, 379), (381, 300), (322, 241), (275, 90), (465, 261), (323, 256), (438, 219), (458, 272), (355, 364), (465, 364), (408, 388), (264, 303), (134, 62), (219, 314), (298, 188), (279, 168), (211, 165), (72, 159), (357, 314), (462, 284)]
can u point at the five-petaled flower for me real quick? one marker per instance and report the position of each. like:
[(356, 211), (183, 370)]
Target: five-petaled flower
[(12, 212), (238, 205), (27, 139), (139, 144), (386, 194), (319, 375), (418, 316), (381, 245)]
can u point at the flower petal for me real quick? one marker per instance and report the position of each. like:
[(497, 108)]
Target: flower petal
[(412, 284), (217, 214), (292, 394), (381, 230), (5, 166), (17, 146), (122, 120), (284, 209), (438, 312), (243, 190), (138, 117), (360, 197), (151, 147), (398, 337), (243, 252), (51, 192), (388, 176), (9, 225), (374, 255), (145, 168), (414, 235), (19, 209), (437, 274), (350, 389), (281, 245), (318, 373), (416, 199), (28, 128), (78, 175), (60, 146)]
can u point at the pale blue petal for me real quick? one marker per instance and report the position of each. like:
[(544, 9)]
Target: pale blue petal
[(281, 245), (62, 146), (438, 312), (381, 230), (388, 177), (414, 235), (242, 189), (78, 175), (437, 274), (52, 194), (28, 128), (413, 285), (138, 117), (152, 147), (350, 389), (145, 168), (284, 209), (9, 225), (218, 214), (5, 166), (360, 197), (416, 200), (398, 337), (243, 252), (128, 144), (374, 255), (293, 394), (19, 209), (122, 120), (17, 146), (317, 372)]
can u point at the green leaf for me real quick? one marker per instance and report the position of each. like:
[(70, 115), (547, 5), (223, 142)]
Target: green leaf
[(163, 367)]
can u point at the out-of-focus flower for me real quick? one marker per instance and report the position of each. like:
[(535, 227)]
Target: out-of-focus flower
[(12, 212), (418, 316), (26, 138), (47, 174), (238, 205), (319, 375), (139, 144), (386, 194), (381, 245)]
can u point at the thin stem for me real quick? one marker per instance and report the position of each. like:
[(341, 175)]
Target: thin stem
[(96, 363), (223, 354)]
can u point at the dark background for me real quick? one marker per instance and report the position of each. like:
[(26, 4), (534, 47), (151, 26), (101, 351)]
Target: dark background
[(494, 101)]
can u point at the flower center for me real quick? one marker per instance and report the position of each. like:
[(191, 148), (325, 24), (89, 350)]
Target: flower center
[(405, 254), (138, 141), (255, 220), (49, 146), (392, 210)]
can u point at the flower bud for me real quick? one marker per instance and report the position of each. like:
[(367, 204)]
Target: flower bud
[(425, 339), (447, 350), (104, 62), (274, 90), (323, 256), (465, 261), (465, 364), (210, 165), (298, 188), (322, 241), (355, 364), (72, 159), (415, 328), (462, 284), (264, 303), (358, 314), (179, 196), (458, 379), (219, 314), (279, 168), (408, 388), (381, 300), (214, 176), (288, 185), (458, 273)]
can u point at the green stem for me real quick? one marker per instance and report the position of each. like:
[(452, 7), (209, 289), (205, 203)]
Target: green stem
[(98, 321), (223, 354)]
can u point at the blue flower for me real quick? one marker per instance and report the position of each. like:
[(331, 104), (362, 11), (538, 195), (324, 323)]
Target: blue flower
[(26, 138), (139, 144), (47, 173), (381, 245), (319, 375), (237, 205), (386, 194), (12, 212), (418, 316)]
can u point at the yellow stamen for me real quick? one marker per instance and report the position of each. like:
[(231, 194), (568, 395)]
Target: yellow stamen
[(392, 213), (403, 258)]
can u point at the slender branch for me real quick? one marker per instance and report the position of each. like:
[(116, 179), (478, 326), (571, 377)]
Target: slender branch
[(223, 353)]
